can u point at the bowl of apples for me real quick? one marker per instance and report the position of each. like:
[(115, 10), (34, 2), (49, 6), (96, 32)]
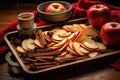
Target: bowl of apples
[(55, 11)]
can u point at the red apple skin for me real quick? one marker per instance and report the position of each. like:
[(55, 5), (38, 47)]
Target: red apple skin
[(51, 8), (110, 34), (98, 15)]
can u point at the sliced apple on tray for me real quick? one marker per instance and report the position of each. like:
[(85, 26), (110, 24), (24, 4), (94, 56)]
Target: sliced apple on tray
[(89, 44), (71, 51), (30, 44), (20, 49), (58, 33), (93, 54), (101, 46), (76, 47), (61, 45), (24, 44), (37, 43), (69, 28)]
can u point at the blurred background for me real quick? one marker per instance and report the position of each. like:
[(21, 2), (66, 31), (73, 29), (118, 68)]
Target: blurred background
[(9, 9)]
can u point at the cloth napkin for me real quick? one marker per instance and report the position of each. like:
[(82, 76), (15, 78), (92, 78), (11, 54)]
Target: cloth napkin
[(79, 10)]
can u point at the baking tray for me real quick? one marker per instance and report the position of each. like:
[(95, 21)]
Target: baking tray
[(62, 66)]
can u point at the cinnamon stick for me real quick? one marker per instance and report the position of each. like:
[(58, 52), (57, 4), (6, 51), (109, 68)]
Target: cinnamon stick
[(52, 53), (41, 38), (45, 57), (43, 50), (29, 59), (41, 60), (45, 63), (44, 67)]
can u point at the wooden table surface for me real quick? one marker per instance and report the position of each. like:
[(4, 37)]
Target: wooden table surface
[(101, 71)]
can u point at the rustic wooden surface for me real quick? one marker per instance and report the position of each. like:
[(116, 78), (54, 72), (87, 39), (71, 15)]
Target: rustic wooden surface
[(101, 71)]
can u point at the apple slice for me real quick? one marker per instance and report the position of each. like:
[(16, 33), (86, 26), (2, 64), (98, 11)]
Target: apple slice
[(47, 38), (76, 47), (78, 34), (56, 35), (76, 26), (81, 38), (91, 32), (84, 26), (66, 35), (37, 43), (61, 43), (63, 54), (24, 44), (68, 56), (69, 28), (55, 41), (90, 46), (20, 49), (70, 45), (83, 50), (72, 36), (92, 54), (101, 46), (30, 44), (71, 51), (63, 47)]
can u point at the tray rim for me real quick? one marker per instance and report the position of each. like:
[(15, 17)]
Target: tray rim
[(55, 67)]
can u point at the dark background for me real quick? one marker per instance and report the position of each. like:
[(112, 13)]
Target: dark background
[(112, 2)]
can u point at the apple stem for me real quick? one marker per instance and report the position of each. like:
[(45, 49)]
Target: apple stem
[(97, 5), (113, 25)]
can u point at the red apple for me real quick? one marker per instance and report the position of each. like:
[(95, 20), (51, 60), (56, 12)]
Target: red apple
[(110, 34), (55, 8), (98, 15)]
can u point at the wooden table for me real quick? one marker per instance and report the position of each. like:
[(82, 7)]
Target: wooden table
[(101, 71)]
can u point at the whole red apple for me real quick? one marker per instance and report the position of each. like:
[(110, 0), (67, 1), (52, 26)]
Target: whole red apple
[(110, 34), (98, 15), (55, 8)]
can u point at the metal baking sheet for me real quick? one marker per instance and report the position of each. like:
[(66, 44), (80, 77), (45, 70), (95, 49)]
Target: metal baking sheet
[(70, 64)]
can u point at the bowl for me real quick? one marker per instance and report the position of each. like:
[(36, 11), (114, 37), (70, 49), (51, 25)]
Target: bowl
[(55, 17)]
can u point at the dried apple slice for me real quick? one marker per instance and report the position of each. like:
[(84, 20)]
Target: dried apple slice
[(24, 44), (20, 49), (57, 34), (69, 28), (61, 43), (66, 35), (76, 47), (71, 51), (30, 44), (37, 43), (84, 26), (72, 36), (101, 46), (83, 50), (92, 54), (91, 46), (63, 54), (78, 34), (63, 47)]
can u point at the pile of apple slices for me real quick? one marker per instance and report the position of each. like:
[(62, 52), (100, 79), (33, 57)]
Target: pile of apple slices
[(75, 40), (28, 45)]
